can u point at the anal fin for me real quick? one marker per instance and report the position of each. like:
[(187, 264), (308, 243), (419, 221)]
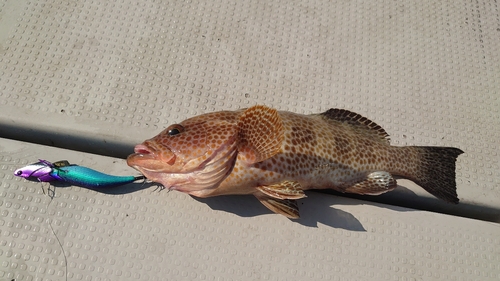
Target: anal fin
[(286, 207), (375, 183)]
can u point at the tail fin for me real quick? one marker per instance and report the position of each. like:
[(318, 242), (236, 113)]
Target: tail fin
[(436, 172)]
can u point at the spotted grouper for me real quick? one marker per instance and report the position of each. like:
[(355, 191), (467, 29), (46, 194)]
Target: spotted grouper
[(276, 155)]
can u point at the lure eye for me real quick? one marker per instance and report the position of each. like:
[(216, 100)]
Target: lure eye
[(18, 173), (175, 130)]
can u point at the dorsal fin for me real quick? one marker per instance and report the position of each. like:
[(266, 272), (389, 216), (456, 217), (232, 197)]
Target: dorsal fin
[(261, 133), (356, 120)]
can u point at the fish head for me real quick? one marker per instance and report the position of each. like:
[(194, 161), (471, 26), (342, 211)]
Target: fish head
[(193, 155)]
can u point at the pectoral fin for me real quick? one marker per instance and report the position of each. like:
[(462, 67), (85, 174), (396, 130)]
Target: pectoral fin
[(260, 133), (288, 208), (284, 190)]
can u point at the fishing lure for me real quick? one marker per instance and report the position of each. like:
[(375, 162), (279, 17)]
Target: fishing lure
[(63, 171)]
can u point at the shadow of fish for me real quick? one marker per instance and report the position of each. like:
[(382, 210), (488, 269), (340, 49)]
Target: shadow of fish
[(276, 155)]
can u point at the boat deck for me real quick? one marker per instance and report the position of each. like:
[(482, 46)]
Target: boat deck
[(85, 81)]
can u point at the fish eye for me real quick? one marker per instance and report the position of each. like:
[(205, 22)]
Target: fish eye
[(175, 130)]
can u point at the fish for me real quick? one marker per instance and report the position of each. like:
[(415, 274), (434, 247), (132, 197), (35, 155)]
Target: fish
[(63, 171), (277, 155)]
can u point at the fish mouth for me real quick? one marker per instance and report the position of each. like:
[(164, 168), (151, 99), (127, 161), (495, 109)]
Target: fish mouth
[(145, 160), (148, 158), (142, 149), (206, 175)]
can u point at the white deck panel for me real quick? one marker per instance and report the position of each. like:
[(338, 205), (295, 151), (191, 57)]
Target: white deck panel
[(101, 76), (136, 233)]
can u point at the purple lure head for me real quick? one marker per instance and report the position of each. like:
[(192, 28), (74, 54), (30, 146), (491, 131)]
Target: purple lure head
[(38, 170)]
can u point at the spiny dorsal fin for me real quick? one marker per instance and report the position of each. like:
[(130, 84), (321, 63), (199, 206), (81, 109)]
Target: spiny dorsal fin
[(283, 190), (354, 119), (260, 132)]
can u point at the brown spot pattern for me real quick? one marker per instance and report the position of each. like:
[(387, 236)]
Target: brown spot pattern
[(337, 149)]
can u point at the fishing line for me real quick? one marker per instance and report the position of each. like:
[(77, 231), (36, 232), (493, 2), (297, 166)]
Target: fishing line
[(54, 233)]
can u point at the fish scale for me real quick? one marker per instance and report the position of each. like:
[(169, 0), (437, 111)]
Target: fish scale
[(276, 155)]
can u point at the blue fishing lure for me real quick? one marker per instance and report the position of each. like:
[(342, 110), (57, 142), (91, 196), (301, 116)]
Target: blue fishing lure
[(63, 171)]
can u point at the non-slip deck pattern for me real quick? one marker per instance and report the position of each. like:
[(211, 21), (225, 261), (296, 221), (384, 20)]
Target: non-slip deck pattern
[(101, 76), (137, 232)]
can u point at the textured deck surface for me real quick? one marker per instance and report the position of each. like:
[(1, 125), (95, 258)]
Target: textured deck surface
[(101, 76)]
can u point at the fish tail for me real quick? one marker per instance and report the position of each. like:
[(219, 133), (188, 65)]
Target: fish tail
[(434, 170)]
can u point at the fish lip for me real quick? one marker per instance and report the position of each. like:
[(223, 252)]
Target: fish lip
[(138, 157), (142, 149), (143, 156), (142, 152)]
